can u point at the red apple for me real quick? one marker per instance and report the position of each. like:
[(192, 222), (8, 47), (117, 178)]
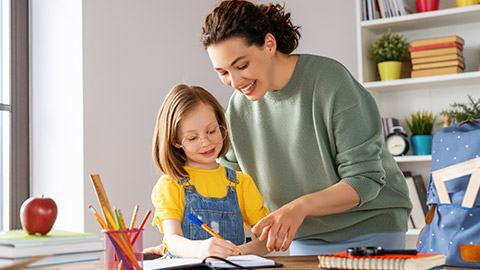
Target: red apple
[(38, 215)]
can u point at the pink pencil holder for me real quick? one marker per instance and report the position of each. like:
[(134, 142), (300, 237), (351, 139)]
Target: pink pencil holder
[(113, 258)]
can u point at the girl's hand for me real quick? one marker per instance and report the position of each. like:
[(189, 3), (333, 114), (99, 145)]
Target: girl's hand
[(217, 247), (155, 250), (280, 227)]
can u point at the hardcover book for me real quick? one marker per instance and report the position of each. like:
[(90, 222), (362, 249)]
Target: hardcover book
[(436, 71), (438, 58), (434, 52), (436, 46), (391, 261), (451, 63), (438, 40), (18, 244)]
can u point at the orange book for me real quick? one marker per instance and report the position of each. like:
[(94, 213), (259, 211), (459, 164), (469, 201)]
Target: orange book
[(450, 63), (434, 52), (391, 261), (438, 40), (436, 71), (438, 58)]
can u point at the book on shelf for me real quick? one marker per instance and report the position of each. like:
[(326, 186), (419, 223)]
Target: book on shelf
[(341, 260), (438, 58), (436, 46), (381, 7), (437, 40), (394, 8), (450, 63), (388, 124), (418, 201), (421, 191), (369, 10), (17, 245), (434, 52), (246, 261), (410, 223), (378, 9), (436, 71), (364, 10)]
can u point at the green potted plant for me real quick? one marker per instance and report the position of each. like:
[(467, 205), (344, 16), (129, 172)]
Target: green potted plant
[(421, 124), (389, 50), (461, 111)]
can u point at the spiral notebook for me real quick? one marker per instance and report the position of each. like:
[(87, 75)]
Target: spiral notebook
[(391, 261), (242, 261)]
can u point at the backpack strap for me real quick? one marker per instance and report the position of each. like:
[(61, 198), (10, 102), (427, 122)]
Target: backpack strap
[(468, 121)]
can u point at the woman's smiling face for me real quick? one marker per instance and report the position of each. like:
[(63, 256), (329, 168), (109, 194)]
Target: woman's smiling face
[(247, 69)]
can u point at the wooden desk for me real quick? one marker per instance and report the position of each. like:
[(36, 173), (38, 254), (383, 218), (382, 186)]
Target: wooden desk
[(297, 262), (289, 262)]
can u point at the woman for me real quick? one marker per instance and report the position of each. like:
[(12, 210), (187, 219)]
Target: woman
[(309, 135)]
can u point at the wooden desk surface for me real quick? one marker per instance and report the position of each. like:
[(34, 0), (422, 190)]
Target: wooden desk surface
[(289, 262)]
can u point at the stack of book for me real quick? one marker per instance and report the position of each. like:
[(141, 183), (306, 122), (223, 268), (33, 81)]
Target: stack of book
[(64, 247), (437, 56), (342, 260)]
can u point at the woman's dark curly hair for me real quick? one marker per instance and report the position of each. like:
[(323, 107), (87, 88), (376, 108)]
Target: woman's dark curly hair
[(239, 18)]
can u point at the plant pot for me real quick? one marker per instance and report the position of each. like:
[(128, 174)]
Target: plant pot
[(427, 5), (422, 144), (390, 70), (464, 3)]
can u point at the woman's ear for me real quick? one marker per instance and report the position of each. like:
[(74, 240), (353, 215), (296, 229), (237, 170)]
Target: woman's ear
[(270, 44)]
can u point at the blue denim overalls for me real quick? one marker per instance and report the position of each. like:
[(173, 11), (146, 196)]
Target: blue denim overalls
[(221, 214)]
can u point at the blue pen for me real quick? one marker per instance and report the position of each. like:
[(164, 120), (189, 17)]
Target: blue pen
[(202, 225)]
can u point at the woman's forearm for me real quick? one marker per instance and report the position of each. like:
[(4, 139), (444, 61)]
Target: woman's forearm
[(335, 199)]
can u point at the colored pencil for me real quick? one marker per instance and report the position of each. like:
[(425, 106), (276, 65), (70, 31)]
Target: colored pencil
[(134, 217), (141, 226), (112, 240)]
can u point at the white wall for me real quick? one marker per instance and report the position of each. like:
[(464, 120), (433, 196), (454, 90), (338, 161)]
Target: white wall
[(57, 155), (95, 94)]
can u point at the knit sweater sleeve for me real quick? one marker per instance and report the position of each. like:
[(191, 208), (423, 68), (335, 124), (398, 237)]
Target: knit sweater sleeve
[(229, 160), (357, 130)]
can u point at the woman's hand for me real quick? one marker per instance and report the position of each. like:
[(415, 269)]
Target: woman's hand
[(280, 226)]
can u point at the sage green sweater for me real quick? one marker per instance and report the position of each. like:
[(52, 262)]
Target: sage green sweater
[(321, 128)]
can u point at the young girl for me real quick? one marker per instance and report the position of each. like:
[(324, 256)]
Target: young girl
[(189, 136)]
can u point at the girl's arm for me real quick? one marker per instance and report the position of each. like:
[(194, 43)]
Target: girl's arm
[(183, 247)]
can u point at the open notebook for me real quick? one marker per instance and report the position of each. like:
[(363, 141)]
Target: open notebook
[(247, 261)]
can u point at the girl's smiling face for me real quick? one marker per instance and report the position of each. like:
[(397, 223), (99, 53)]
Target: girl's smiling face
[(197, 126), (248, 69)]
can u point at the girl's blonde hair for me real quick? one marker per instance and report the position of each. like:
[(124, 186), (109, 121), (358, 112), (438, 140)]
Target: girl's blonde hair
[(182, 98)]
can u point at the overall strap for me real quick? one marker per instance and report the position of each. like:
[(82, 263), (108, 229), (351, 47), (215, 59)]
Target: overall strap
[(186, 179), (231, 175)]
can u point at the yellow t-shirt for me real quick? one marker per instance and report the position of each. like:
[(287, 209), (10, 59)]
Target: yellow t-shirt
[(169, 199)]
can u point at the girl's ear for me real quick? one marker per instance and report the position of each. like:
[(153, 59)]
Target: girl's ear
[(176, 144), (270, 44)]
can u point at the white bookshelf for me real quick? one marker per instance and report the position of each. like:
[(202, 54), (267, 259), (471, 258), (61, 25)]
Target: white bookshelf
[(400, 98), (404, 159)]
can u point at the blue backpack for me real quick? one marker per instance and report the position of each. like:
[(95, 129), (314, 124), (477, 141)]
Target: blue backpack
[(453, 220)]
